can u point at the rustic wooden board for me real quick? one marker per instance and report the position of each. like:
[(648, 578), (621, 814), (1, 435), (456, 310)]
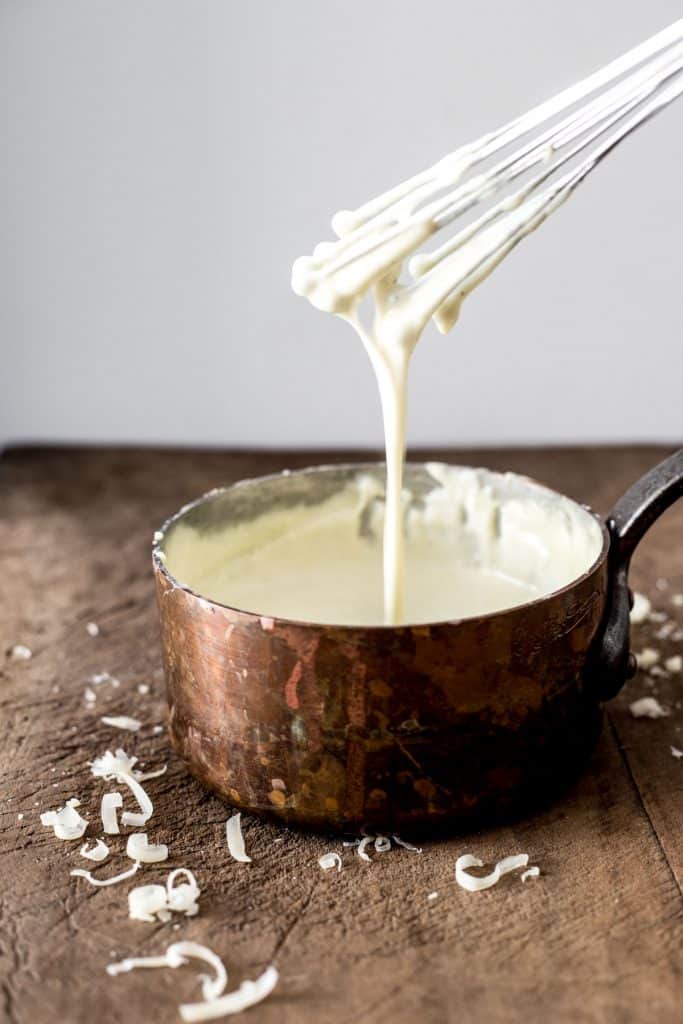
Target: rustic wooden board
[(597, 938)]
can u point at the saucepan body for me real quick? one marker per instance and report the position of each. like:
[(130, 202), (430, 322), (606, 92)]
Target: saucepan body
[(346, 727)]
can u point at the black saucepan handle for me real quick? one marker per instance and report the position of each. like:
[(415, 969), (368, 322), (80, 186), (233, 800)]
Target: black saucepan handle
[(630, 519)]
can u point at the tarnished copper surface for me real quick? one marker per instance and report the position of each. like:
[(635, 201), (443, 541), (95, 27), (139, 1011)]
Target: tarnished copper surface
[(345, 727)]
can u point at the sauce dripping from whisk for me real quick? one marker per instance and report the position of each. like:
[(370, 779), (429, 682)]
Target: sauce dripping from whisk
[(376, 240)]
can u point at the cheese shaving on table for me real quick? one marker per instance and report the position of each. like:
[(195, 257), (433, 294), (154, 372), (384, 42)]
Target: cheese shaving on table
[(175, 956), (641, 608), (139, 848), (92, 629), (233, 832), (647, 657), (98, 852), (108, 808), (647, 707), (154, 902), (330, 860), (104, 677), (80, 873), (674, 663), (365, 841), (675, 752), (382, 844), (148, 903), (144, 776), (89, 695), (183, 898), (20, 652), (472, 884), (248, 994), (121, 722), (406, 845), (119, 766), (532, 872), (66, 822)]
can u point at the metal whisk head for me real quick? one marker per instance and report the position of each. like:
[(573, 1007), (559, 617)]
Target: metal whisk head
[(520, 173)]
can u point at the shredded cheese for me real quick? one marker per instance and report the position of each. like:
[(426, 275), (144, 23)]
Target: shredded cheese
[(121, 722), (365, 841), (92, 629), (330, 860), (66, 822), (473, 884), (144, 776), (382, 844), (248, 994), (674, 664), (641, 608), (148, 903), (156, 902), (647, 707), (119, 766), (104, 677), (20, 652), (183, 898), (175, 956), (233, 832), (675, 752), (108, 807), (405, 845), (140, 849), (98, 852), (647, 658), (532, 872), (80, 873)]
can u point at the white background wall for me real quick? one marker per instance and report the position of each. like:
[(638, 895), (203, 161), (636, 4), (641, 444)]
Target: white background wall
[(165, 160)]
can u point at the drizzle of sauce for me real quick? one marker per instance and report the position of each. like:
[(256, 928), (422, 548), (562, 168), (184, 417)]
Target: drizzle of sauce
[(375, 241)]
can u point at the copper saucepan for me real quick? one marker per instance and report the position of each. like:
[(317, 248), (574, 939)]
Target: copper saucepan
[(389, 728)]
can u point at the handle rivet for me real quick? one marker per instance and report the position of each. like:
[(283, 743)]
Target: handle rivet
[(631, 665)]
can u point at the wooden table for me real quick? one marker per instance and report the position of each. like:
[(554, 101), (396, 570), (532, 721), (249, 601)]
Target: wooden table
[(597, 938)]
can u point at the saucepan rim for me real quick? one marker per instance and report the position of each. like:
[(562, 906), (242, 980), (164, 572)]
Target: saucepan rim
[(176, 584)]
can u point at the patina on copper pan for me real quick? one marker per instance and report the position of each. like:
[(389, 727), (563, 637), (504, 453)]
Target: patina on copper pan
[(389, 728)]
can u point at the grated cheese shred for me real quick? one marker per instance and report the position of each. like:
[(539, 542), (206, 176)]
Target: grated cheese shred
[(215, 1003), (641, 608), (365, 841), (66, 822), (98, 852), (113, 880), (139, 848), (124, 722), (248, 994), (108, 807), (647, 707), (233, 832), (330, 860), (157, 902), (474, 884), (119, 766)]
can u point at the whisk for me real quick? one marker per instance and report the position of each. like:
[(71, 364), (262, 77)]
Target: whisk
[(560, 142), (515, 177)]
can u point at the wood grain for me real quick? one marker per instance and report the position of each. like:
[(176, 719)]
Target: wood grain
[(597, 938)]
